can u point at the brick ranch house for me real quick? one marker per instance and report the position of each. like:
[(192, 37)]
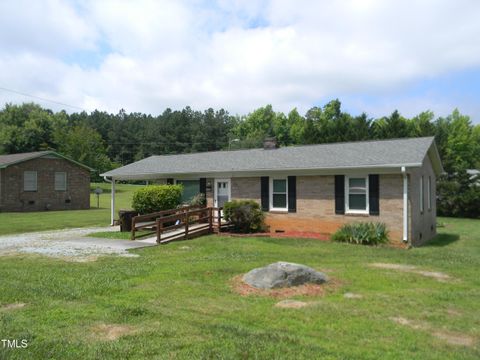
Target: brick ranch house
[(314, 188), (43, 180)]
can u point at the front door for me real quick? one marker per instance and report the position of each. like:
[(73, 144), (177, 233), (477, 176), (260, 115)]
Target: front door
[(222, 192)]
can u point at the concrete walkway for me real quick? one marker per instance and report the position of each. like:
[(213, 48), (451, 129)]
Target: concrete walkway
[(70, 244)]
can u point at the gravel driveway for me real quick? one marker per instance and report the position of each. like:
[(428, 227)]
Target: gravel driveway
[(70, 244)]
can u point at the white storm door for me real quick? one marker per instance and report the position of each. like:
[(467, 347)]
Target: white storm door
[(222, 192)]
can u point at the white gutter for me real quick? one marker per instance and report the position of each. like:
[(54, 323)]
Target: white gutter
[(405, 204), (112, 200)]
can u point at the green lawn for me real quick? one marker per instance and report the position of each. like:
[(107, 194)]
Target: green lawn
[(11, 223), (175, 302), (120, 235)]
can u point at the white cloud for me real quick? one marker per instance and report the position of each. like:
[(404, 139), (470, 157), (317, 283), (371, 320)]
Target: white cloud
[(51, 27), (232, 54)]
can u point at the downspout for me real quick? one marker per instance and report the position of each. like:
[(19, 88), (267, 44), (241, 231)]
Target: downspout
[(112, 201), (405, 204)]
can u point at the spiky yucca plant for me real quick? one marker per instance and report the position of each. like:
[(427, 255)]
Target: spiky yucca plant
[(368, 233)]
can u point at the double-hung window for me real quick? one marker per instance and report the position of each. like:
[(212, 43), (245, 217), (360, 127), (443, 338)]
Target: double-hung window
[(60, 181), (356, 191), (279, 194), (29, 181)]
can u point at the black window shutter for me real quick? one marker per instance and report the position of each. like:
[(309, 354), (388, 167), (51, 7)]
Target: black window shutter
[(292, 194), (203, 187), (339, 194), (374, 194), (170, 181), (265, 193)]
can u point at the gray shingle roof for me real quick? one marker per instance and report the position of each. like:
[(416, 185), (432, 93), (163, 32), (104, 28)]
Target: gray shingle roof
[(384, 153), (7, 160)]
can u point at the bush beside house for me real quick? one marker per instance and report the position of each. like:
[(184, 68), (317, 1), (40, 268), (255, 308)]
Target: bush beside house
[(244, 215), (198, 200), (154, 198)]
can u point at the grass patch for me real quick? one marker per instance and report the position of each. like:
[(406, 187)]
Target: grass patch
[(119, 235), (176, 301), (12, 223)]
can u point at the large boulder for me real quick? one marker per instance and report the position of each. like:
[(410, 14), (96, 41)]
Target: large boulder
[(283, 274)]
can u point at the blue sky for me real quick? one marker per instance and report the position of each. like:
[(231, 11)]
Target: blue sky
[(441, 94), (146, 55)]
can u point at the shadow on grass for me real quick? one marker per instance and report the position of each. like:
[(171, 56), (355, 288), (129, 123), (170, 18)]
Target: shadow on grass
[(443, 240)]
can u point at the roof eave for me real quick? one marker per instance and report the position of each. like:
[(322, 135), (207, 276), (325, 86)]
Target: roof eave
[(435, 159), (43, 154), (150, 175), (25, 159)]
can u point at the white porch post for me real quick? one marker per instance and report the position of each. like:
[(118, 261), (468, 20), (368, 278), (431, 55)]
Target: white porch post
[(405, 204), (112, 205)]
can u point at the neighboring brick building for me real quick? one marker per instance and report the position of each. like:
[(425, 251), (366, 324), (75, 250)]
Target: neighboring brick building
[(43, 180), (316, 188)]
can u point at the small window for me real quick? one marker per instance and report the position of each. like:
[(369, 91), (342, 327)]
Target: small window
[(422, 204), (60, 181), (29, 181), (279, 194), (429, 191), (356, 198)]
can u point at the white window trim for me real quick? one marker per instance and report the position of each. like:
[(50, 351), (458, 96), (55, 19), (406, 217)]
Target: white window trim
[(429, 192), (422, 200), (285, 209), (36, 181), (55, 180), (347, 195)]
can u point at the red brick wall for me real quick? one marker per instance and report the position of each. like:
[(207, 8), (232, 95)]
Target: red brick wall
[(77, 195), (316, 205)]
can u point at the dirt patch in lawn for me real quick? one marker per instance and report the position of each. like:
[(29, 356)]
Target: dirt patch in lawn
[(350, 295), (452, 338), (244, 289), (292, 304), (410, 323), (455, 338), (13, 306), (110, 332), (453, 312), (442, 277)]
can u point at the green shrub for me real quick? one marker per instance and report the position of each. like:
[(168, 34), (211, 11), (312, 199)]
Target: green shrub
[(198, 200), (362, 233), (244, 215), (155, 198)]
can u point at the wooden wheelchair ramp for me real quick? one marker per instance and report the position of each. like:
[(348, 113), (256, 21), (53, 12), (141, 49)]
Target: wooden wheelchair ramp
[(179, 224)]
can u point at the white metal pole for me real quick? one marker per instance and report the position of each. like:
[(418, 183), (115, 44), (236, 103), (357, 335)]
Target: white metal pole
[(112, 214), (405, 204)]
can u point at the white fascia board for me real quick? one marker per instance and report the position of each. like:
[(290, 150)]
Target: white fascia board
[(380, 169)]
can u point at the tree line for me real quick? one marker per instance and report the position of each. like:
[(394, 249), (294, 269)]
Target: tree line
[(103, 140)]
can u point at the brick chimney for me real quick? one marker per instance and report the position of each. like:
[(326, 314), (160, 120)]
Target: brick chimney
[(270, 143)]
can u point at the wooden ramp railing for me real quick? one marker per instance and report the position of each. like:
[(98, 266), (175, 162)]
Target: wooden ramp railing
[(177, 224), (148, 222)]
